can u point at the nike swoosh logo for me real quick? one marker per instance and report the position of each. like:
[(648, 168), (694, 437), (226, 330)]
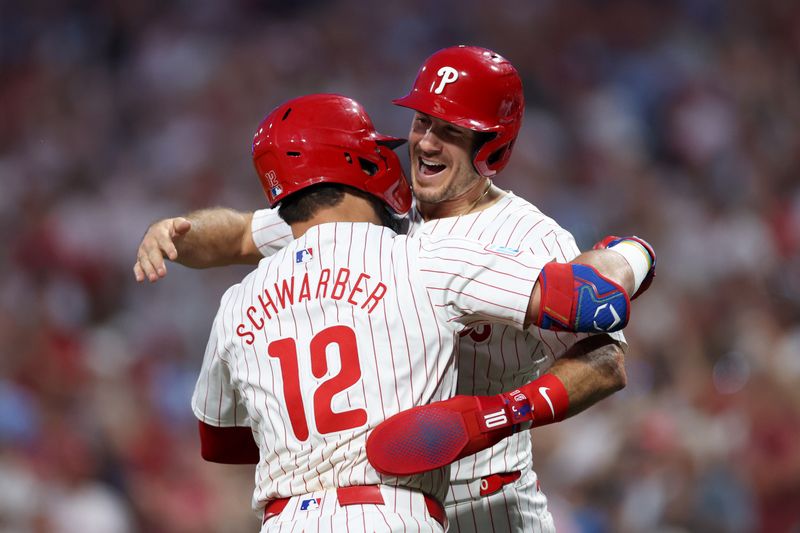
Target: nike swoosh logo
[(543, 392)]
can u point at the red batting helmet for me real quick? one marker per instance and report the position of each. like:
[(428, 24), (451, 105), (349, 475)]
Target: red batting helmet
[(477, 89), (327, 138)]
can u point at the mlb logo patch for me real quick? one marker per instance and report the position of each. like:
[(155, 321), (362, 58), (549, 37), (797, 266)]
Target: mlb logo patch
[(505, 250), (304, 256), (274, 185), (310, 504)]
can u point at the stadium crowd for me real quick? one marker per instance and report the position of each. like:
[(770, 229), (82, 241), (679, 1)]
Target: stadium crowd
[(677, 120)]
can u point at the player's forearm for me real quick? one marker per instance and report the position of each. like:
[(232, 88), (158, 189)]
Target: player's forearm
[(219, 237), (591, 370)]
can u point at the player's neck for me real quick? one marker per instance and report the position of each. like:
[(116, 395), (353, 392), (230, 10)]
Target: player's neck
[(477, 198), (352, 208)]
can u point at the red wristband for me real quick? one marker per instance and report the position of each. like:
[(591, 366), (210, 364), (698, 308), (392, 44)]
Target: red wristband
[(547, 397)]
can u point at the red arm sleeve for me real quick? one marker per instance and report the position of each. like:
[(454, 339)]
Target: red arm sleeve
[(233, 445)]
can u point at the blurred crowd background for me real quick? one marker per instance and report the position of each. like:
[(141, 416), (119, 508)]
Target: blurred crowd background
[(673, 119)]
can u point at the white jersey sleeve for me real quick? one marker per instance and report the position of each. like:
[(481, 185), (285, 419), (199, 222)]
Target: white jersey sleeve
[(471, 282), (215, 400), (270, 232)]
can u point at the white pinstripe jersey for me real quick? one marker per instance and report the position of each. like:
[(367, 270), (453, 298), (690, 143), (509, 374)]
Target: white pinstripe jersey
[(339, 330), (492, 358)]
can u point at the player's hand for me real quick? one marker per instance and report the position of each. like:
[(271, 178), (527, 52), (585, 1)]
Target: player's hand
[(159, 242), (435, 435), (611, 240)]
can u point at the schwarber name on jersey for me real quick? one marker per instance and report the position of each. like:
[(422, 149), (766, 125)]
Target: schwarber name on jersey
[(324, 283), (341, 329)]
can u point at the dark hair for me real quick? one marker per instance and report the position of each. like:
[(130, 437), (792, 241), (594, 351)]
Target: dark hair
[(305, 203)]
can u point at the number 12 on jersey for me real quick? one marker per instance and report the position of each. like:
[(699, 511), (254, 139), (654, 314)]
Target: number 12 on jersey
[(285, 351)]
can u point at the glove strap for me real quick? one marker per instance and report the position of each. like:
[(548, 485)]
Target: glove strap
[(549, 399), (542, 401)]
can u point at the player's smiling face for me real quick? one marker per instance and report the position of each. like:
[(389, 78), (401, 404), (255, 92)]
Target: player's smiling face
[(441, 161)]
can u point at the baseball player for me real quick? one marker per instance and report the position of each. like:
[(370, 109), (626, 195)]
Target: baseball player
[(350, 324), (468, 106)]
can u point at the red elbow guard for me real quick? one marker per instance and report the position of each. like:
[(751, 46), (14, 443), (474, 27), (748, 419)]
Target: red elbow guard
[(577, 297)]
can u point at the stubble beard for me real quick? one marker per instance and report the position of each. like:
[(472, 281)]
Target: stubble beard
[(459, 185)]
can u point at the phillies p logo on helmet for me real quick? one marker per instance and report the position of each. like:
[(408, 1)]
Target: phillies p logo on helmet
[(447, 75)]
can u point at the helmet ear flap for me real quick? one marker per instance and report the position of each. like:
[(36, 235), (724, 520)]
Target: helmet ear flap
[(492, 155), (397, 195)]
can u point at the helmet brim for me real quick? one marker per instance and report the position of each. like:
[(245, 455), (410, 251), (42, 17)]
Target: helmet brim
[(391, 142), (421, 104)]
